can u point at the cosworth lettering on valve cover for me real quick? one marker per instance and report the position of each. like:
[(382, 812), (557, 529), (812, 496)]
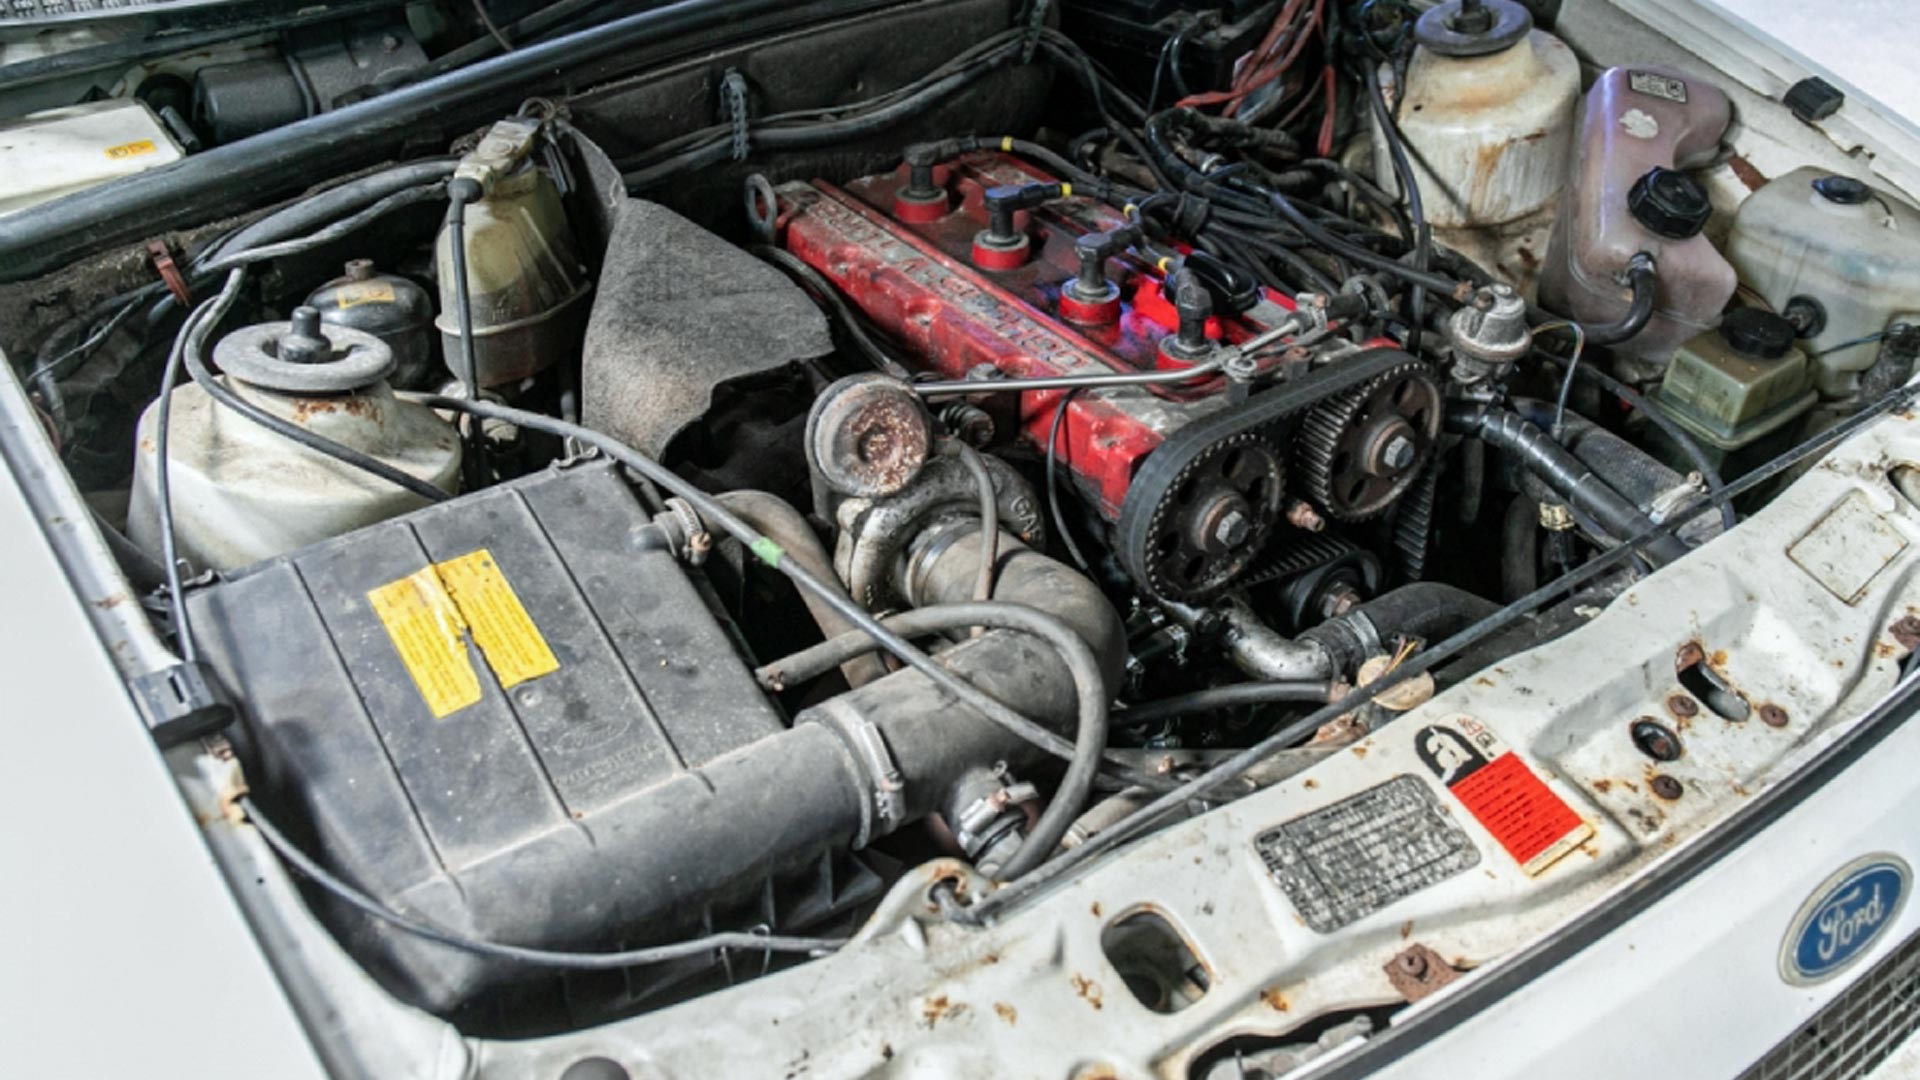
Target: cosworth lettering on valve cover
[(903, 538)]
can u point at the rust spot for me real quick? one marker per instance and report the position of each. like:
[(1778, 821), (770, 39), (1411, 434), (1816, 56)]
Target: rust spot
[(1089, 990), (1690, 654), (936, 1009), (1483, 681), (305, 409), (1094, 908), (1603, 786), (1310, 783), (1006, 1012), (1275, 1000), (886, 1051), (1719, 659), (990, 958), (1406, 930), (1884, 651), (107, 603), (1747, 174), (1360, 751)]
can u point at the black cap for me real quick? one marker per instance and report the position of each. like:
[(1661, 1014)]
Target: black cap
[(304, 342), (1757, 334), (1813, 99), (1473, 27), (1844, 190), (1670, 203)]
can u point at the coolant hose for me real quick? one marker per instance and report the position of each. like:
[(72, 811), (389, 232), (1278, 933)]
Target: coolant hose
[(776, 518), (1428, 610), (1564, 472), (1643, 278)]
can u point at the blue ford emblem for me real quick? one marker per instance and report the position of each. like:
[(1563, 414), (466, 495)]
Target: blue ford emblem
[(1843, 917)]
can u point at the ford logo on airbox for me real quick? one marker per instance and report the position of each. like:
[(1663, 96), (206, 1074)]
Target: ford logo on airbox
[(1843, 917)]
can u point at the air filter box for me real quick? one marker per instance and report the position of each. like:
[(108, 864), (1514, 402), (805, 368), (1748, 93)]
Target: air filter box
[(514, 716)]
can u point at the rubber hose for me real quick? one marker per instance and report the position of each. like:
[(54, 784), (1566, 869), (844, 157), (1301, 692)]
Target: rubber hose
[(775, 517), (1566, 474), (1643, 279), (1090, 689), (1226, 697)]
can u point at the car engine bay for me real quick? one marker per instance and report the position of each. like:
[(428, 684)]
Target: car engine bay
[(653, 538)]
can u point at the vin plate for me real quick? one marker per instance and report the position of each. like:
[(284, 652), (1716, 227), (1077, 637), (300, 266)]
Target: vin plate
[(1346, 861)]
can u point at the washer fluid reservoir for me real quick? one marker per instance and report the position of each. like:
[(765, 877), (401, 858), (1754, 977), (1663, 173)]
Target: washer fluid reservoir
[(1487, 113), (1639, 129), (242, 493), (1837, 254)]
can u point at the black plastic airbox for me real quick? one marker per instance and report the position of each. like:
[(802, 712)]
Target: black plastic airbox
[(514, 716)]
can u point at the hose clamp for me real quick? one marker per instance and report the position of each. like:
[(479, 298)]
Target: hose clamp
[(885, 808)]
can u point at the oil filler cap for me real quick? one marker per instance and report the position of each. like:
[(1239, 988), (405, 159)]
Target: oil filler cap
[(1757, 334), (1670, 203)]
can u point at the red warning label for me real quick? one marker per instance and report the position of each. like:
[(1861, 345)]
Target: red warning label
[(1505, 796)]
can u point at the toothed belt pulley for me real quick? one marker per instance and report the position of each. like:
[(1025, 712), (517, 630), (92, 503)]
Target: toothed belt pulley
[(1358, 452), (1202, 511), (1218, 515)]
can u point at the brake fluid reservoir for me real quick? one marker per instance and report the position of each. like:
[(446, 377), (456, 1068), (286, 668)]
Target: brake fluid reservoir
[(1487, 114), (524, 276), (1638, 128), (242, 493), (1851, 251), (389, 307)]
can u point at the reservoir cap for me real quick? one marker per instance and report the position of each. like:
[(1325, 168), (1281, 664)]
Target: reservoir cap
[(1757, 334), (1670, 203), (1844, 190)]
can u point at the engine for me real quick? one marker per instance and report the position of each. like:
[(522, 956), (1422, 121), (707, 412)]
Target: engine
[(617, 551), (989, 270)]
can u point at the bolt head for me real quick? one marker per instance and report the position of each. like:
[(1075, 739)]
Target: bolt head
[(1667, 787), (1398, 453), (1233, 529)]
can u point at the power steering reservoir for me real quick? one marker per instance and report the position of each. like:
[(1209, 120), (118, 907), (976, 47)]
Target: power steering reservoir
[(242, 493)]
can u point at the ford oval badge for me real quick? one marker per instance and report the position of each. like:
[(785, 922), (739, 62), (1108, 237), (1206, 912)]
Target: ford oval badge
[(1843, 917)]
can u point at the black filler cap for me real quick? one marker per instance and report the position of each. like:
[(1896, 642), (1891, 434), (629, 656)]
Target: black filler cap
[(1757, 334), (1844, 190), (1670, 203), (1473, 27)]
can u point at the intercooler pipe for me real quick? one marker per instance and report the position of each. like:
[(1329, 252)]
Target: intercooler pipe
[(1564, 472)]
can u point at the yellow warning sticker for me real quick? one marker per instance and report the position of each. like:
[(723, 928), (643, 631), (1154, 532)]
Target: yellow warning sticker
[(131, 149), (430, 636), (428, 615), (501, 626), (366, 292)]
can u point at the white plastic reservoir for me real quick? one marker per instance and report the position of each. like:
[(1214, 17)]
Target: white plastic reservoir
[(242, 493), (1488, 115)]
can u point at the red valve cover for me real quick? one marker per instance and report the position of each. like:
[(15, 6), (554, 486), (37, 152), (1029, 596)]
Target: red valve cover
[(918, 281)]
